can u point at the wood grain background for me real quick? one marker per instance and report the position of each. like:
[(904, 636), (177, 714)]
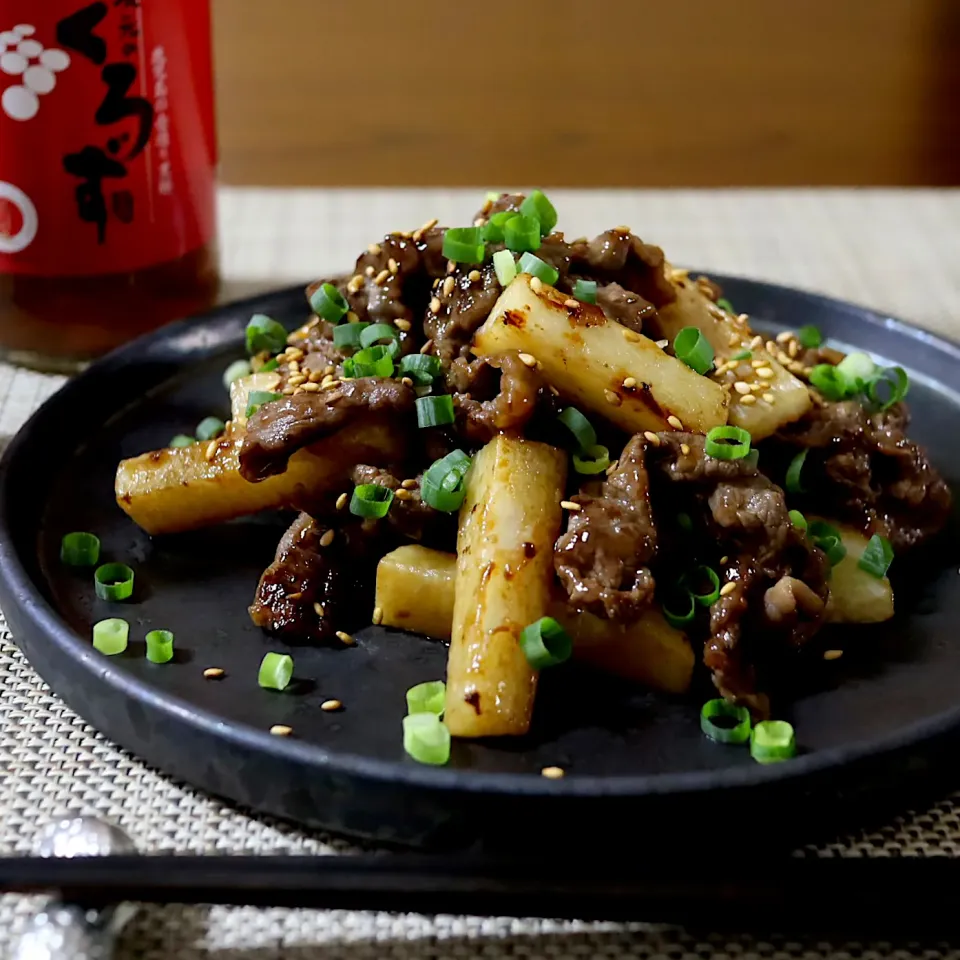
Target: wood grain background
[(608, 93)]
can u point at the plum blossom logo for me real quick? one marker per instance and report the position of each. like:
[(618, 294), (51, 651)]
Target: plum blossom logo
[(33, 65)]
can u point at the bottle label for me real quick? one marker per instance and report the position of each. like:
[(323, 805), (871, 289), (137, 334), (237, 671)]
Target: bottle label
[(107, 141)]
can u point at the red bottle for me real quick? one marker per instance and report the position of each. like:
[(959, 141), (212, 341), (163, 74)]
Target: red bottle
[(107, 173)]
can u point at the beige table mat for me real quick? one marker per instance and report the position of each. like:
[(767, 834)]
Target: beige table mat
[(895, 251)]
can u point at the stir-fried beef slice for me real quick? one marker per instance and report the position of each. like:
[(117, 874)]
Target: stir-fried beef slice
[(503, 203), (460, 303), (602, 559), (509, 410), (862, 468), (618, 256), (279, 429), (625, 307), (409, 516)]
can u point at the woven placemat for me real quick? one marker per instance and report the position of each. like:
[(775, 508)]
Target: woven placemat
[(893, 251)]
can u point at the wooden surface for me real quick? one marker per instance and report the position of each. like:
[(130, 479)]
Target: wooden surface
[(616, 93)]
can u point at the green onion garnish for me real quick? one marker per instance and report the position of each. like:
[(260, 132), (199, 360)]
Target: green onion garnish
[(381, 334), (827, 538), (257, 398), (80, 549), (346, 336), (272, 364), (492, 230), (264, 333), (829, 381), (328, 302), (798, 520), (276, 670), (794, 482), (684, 612), (725, 722), (209, 428), (464, 245), (684, 522), (898, 382), (426, 738), (772, 741), (434, 411), (532, 264), (809, 336), (505, 267), (159, 646), (743, 355), (236, 371), (371, 500), (181, 440), (110, 636), (727, 443), (369, 362), (443, 486), (420, 368), (545, 643), (585, 291), (724, 304), (522, 233), (697, 575), (113, 581), (580, 427), (538, 206), (877, 557), (594, 459), (694, 349), (857, 369), (427, 697)]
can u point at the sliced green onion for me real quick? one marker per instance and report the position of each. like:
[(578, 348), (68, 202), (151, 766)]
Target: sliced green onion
[(159, 646), (772, 741), (725, 304), (684, 522), (829, 381), (492, 230), (443, 486), (257, 398), (371, 500), (181, 440), (276, 671), (522, 233), (877, 557), (539, 207), (585, 291), (684, 612), (209, 428), (110, 636), (727, 443), (464, 245), (328, 302), (113, 581), (426, 738), (545, 643), (427, 697), (532, 264), (80, 549), (264, 333), (858, 369), (592, 460), (694, 349), (369, 362), (236, 371), (381, 334), (580, 427), (798, 520), (743, 355), (794, 481), (725, 722), (827, 538), (420, 368), (272, 364), (434, 411), (688, 581), (346, 336), (505, 267), (898, 382), (809, 336)]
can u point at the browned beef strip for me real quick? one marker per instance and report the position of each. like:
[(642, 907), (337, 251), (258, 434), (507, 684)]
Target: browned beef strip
[(862, 468), (409, 516), (506, 201), (462, 310), (618, 256), (280, 428), (510, 410), (602, 559), (626, 308)]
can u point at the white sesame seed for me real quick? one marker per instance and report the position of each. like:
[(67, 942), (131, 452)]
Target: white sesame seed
[(296, 380), (528, 360), (552, 773), (832, 654), (756, 343), (403, 494), (330, 706), (281, 730), (769, 397), (793, 348), (435, 306), (734, 340), (451, 266), (675, 422), (785, 336), (293, 366), (765, 373), (749, 399), (536, 284), (355, 284), (448, 286), (612, 398), (381, 277), (370, 270), (663, 344), (741, 387), (310, 387), (392, 265), (377, 615), (727, 589), (629, 383), (570, 505), (473, 276), (342, 501), (480, 222), (406, 381), (318, 609), (402, 323), (344, 637), (723, 560), (213, 673), (685, 449), (289, 390), (327, 538), (211, 450), (427, 347), (650, 436), (429, 225), (756, 364), (375, 249), (571, 304)]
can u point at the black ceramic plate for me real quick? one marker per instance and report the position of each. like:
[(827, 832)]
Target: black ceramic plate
[(638, 768)]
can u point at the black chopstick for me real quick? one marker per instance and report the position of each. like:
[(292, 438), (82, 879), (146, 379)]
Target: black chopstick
[(897, 897)]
